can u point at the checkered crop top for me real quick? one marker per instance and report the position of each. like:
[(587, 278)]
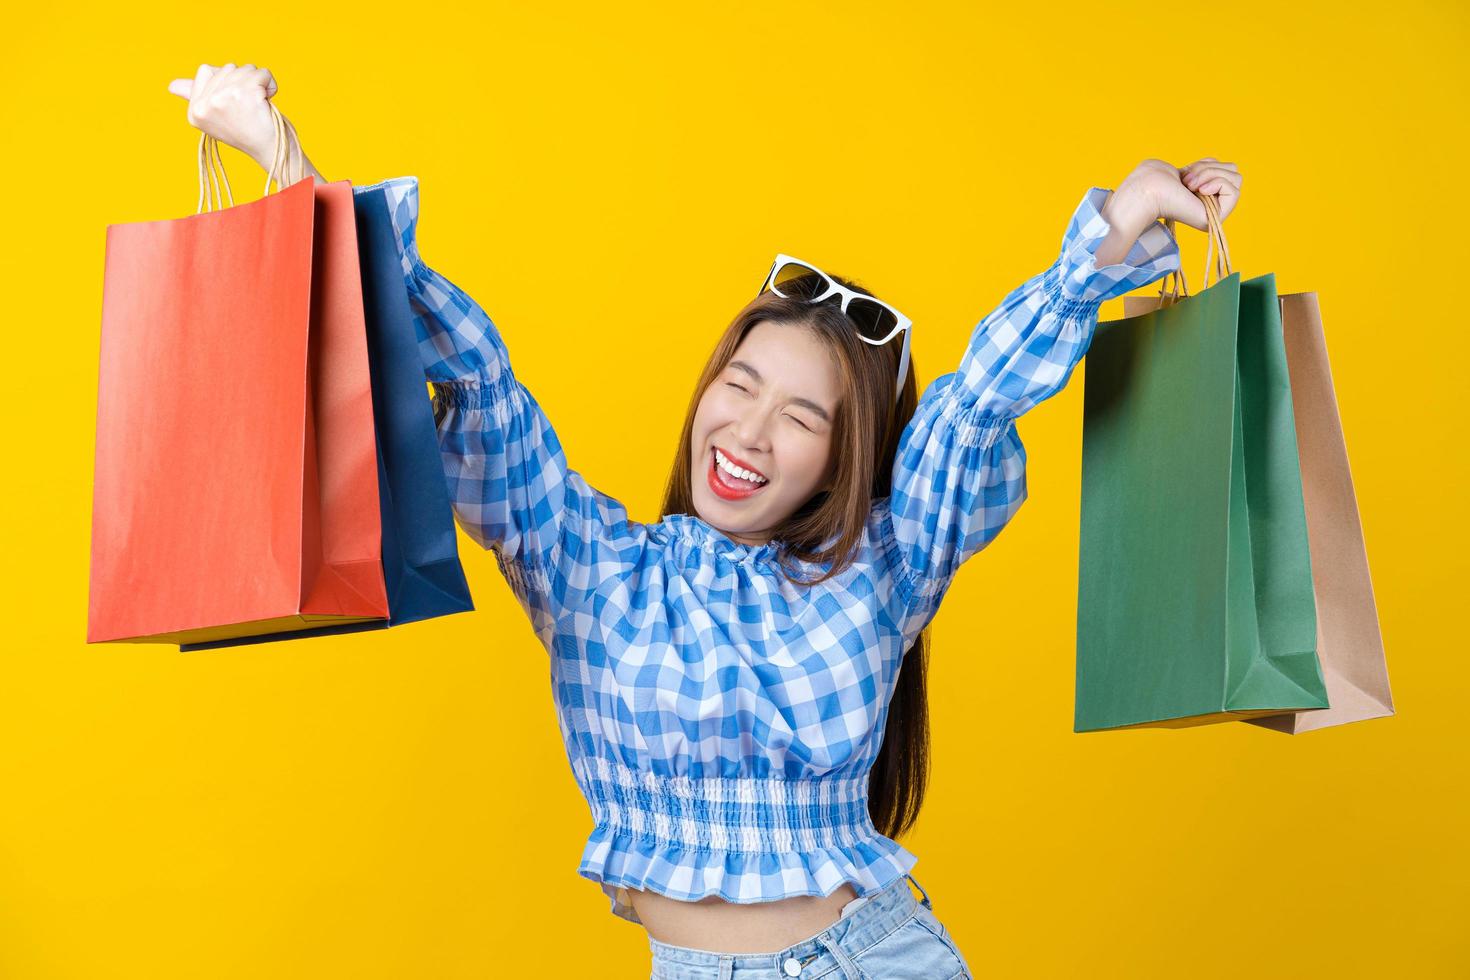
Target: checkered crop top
[(720, 721)]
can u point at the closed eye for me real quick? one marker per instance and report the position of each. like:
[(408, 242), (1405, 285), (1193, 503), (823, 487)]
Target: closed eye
[(791, 417)]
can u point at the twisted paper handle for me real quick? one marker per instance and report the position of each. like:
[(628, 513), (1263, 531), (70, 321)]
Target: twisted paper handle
[(209, 160), (1221, 262)]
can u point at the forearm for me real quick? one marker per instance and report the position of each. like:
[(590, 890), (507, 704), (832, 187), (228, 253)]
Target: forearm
[(1127, 215)]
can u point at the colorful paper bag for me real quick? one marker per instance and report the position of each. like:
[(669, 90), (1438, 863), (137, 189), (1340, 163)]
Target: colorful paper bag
[(1195, 600), (420, 552), (236, 488), (1349, 642)]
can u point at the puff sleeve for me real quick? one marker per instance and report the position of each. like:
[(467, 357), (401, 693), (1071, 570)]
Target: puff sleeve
[(960, 470), (510, 485)]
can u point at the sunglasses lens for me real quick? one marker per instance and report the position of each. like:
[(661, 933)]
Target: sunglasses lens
[(798, 282), (874, 320)]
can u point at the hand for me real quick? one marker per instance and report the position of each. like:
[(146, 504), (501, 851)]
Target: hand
[(1155, 190), (1171, 192), (229, 103)]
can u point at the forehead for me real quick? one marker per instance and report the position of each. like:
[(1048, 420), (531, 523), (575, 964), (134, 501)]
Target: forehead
[(792, 358)]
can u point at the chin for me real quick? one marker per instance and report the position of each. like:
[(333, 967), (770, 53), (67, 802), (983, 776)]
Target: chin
[(713, 514)]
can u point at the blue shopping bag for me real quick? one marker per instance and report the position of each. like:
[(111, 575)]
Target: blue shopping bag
[(420, 552)]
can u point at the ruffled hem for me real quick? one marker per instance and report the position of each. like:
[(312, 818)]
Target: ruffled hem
[(618, 860)]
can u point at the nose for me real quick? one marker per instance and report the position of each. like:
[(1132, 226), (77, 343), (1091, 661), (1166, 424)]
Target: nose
[(750, 431)]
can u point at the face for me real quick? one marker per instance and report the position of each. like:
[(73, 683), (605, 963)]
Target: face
[(770, 412)]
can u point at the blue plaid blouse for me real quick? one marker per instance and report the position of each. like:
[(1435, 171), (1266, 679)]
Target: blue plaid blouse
[(720, 721)]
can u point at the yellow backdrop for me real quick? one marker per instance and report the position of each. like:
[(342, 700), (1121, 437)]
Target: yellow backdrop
[(611, 182)]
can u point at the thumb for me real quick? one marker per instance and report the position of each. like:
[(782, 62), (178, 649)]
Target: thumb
[(182, 87)]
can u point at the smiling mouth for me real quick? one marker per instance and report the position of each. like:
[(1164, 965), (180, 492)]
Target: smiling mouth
[(727, 486)]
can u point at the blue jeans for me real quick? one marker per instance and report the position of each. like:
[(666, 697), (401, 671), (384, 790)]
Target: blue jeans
[(889, 935)]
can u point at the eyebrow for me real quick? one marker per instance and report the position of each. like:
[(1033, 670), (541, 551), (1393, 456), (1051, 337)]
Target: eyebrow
[(803, 402)]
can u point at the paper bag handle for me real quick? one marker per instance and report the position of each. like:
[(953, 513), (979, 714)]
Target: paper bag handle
[(209, 159), (1221, 262)]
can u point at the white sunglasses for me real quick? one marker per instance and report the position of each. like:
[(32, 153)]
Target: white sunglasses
[(876, 321)]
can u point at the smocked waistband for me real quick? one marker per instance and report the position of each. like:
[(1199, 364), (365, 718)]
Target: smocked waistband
[(758, 815)]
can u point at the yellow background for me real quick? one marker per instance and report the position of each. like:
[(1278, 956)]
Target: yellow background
[(611, 183)]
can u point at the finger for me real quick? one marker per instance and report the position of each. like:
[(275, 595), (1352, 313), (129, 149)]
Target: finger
[(226, 71), (1226, 194), (1208, 162), (203, 80), (181, 87), (264, 80), (1198, 176), (1194, 180), (1219, 180)]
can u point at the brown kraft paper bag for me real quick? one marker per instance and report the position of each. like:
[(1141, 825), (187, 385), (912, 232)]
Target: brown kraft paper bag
[(1349, 641)]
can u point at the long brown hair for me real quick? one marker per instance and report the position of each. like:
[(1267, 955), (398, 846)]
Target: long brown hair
[(865, 438)]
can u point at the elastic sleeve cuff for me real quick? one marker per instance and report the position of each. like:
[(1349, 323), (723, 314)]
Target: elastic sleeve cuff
[(403, 208), (1081, 280)]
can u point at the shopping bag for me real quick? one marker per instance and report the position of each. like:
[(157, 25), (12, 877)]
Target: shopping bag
[(1195, 601), (1349, 641), (236, 488), (420, 553)]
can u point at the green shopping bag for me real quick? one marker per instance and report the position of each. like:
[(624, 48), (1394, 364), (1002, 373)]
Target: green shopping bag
[(1194, 599)]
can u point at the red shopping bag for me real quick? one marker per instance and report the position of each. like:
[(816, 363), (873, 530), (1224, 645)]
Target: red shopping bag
[(236, 483)]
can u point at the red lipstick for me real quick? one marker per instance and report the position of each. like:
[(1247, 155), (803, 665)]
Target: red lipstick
[(726, 486)]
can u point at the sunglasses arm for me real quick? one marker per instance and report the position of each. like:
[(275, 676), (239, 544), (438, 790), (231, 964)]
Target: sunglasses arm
[(903, 364)]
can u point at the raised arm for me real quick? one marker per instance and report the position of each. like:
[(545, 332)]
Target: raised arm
[(960, 471), (509, 481)]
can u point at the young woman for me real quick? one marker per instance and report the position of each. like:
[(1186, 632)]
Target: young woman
[(727, 679)]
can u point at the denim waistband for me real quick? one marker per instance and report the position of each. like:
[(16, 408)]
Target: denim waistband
[(878, 915)]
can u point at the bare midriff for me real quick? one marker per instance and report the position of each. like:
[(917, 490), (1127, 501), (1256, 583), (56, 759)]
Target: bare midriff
[(719, 926)]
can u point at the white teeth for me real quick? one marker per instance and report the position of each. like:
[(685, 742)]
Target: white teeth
[(731, 468)]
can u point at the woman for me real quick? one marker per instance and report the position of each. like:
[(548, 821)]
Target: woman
[(727, 679)]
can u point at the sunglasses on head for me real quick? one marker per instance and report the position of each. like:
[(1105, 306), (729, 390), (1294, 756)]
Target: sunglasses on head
[(876, 321)]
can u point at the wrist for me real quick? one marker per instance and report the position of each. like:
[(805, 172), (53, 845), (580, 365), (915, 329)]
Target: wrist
[(1129, 210), (1127, 213)]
